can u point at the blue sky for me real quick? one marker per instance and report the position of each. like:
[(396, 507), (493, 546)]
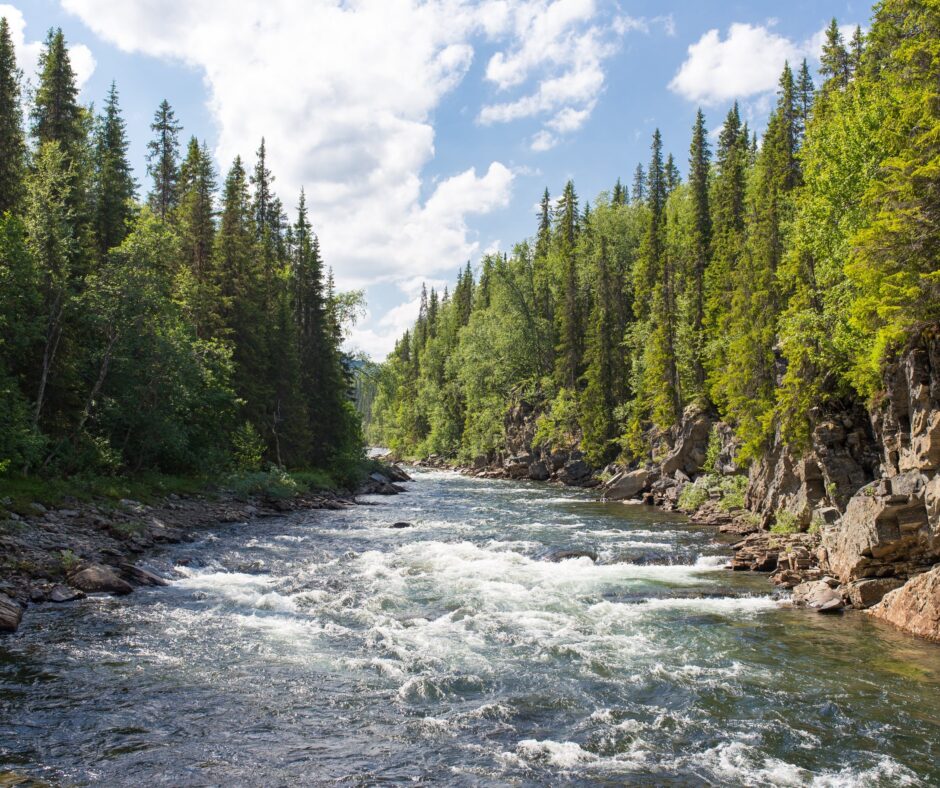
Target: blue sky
[(424, 133)]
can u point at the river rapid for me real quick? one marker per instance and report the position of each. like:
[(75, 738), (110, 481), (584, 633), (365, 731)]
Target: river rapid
[(325, 647)]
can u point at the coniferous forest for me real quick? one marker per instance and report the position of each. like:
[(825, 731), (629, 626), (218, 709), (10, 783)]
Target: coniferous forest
[(779, 275), (186, 325)]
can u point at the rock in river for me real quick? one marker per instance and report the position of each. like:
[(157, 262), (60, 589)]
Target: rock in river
[(10, 614), (62, 593), (402, 525), (97, 578), (915, 606), (565, 554)]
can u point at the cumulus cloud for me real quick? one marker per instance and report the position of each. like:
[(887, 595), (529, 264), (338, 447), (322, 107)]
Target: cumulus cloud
[(27, 52), (746, 63), (563, 44)]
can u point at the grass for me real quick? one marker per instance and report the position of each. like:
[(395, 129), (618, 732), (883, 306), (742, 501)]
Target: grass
[(19, 493)]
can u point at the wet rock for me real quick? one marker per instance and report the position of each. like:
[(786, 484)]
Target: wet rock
[(817, 595), (538, 471), (914, 607), (381, 478), (62, 593), (396, 474), (402, 525), (865, 593), (141, 577), (98, 578), (11, 613), (566, 554), (628, 484)]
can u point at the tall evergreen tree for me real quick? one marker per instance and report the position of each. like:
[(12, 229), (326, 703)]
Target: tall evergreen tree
[(13, 160), (699, 166), (56, 114), (163, 160), (568, 314), (114, 186), (834, 61), (638, 193)]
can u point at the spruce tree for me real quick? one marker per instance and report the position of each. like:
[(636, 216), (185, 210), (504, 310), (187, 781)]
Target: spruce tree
[(13, 160), (619, 196), (114, 187), (568, 313), (56, 114), (834, 61), (805, 93), (699, 164), (163, 161), (638, 194)]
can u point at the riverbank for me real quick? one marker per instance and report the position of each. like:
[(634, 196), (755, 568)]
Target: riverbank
[(57, 547)]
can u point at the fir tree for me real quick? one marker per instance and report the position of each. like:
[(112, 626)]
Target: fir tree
[(56, 114), (114, 187), (568, 314), (834, 61), (638, 194), (13, 160), (699, 164), (163, 161)]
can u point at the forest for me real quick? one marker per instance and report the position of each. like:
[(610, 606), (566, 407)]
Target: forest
[(776, 278), (194, 331)]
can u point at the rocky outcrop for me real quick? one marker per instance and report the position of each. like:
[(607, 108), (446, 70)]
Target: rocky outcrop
[(914, 607), (886, 530), (842, 457), (689, 443)]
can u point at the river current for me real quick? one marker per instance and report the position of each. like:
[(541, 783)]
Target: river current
[(325, 647)]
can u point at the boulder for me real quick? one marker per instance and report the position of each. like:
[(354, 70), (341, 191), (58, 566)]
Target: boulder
[(817, 595), (11, 613), (885, 524), (402, 525), (380, 478), (62, 593), (538, 471), (517, 467), (628, 484), (865, 593), (914, 607), (98, 578)]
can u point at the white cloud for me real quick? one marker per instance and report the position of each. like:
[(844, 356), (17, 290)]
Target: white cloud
[(746, 63), (563, 44), (27, 52)]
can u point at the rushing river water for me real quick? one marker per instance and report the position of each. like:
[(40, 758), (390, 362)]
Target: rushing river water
[(325, 647)]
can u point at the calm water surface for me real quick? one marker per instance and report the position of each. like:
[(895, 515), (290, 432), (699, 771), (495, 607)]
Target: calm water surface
[(324, 647)]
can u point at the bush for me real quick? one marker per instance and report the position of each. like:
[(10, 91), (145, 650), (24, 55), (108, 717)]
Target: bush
[(785, 523), (732, 490), (692, 496)]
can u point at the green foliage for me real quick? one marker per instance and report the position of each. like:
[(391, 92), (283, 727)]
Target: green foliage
[(247, 448), (694, 495), (785, 522)]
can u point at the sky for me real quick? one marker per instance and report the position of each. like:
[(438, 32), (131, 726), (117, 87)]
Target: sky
[(424, 131)]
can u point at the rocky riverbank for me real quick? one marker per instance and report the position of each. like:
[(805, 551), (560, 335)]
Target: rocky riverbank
[(852, 520), (59, 554)]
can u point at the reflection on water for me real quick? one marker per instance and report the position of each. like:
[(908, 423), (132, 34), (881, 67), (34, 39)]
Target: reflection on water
[(327, 646)]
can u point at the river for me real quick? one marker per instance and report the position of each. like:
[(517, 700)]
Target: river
[(325, 647)]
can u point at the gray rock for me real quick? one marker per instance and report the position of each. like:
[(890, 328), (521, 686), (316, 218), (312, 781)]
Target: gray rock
[(62, 593), (575, 472), (628, 484), (98, 578), (402, 525), (141, 577), (381, 478), (11, 613), (816, 595), (690, 443)]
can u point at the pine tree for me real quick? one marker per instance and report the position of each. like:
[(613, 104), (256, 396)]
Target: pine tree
[(805, 93), (114, 187), (13, 160), (163, 161), (699, 165)]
